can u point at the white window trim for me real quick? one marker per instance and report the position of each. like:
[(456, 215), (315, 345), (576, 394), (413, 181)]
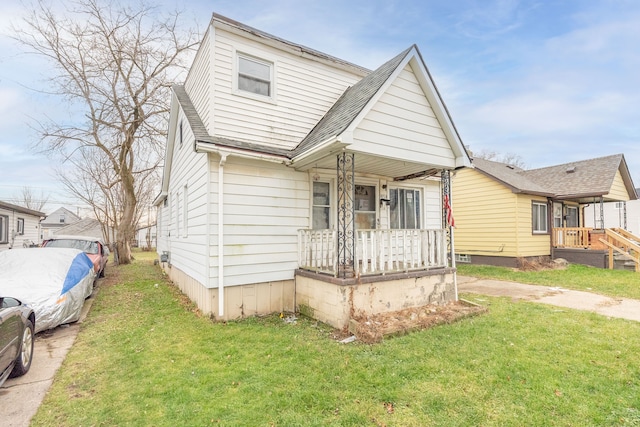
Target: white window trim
[(423, 202), (185, 213), (333, 196), (259, 58), (4, 229), (546, 220)]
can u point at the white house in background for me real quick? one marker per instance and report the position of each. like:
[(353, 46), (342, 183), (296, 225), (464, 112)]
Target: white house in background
[(59, 218), (294, 180), (19, 227), (88, 227), (146, 237), (615, 215)]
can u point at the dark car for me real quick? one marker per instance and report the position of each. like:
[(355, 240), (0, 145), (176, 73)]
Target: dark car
[(17, 323), (92, 246)]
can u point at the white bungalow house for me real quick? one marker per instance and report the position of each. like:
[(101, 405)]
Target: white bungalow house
[(294, 180), (61, 217), (19, 226)]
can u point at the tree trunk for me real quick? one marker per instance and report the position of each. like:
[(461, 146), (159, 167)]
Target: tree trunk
[(126, 225)]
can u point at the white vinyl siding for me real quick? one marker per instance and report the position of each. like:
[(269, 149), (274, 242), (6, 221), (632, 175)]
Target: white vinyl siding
[(18, 229), (265, 204), (186, 224), (402, 125), (306, 89)]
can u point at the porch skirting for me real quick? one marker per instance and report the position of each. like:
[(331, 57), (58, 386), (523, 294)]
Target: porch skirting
[(335, 301)]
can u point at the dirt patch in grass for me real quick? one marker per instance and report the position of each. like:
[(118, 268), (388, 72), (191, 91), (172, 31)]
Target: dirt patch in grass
[(373, 328), (541, 263)]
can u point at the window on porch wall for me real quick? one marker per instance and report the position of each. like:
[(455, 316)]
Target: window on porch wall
[(405, 208), (321, 206)]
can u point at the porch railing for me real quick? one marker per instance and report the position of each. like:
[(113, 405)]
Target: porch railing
[(377, 251), (570, 237)]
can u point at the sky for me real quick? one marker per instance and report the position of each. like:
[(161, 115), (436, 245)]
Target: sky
[(548, 81)]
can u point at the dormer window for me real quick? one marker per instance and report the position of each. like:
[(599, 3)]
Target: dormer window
[(255, 76)]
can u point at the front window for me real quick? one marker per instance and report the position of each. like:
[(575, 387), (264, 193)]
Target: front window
[(321, 206), (20, 226), (254, 76), (539, 218), (405, 208)]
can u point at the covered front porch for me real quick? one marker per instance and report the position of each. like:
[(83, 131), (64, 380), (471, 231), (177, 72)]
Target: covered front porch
[(383, 252)]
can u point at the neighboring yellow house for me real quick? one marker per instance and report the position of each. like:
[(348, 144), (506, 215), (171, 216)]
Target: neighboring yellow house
[(504, 213)]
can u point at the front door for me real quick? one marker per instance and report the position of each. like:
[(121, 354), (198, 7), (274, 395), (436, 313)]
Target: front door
[(365, 207), (557, 214)]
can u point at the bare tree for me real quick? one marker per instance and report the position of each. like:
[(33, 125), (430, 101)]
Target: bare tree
[(30, 200), (116, 63), (508, 158)]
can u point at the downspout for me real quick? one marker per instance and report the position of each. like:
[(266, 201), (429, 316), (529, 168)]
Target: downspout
[(223, 160)]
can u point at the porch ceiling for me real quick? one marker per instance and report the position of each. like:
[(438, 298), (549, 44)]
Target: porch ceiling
[(375, 165)]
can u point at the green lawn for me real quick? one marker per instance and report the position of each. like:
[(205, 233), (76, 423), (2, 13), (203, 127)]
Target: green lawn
[(145, 357), (620, 283)]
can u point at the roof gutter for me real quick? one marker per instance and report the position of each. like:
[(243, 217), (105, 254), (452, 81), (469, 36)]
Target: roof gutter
[(208, 147)]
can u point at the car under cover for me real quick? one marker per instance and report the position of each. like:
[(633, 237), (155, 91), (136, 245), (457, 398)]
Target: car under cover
[(53, 281)]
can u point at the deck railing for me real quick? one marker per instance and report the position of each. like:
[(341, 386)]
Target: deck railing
[(570, 237), (377, 251)]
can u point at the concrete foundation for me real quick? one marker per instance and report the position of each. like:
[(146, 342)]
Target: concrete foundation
[(336, 301)]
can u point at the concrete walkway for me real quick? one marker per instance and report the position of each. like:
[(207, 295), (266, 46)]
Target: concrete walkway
[(623, 308)]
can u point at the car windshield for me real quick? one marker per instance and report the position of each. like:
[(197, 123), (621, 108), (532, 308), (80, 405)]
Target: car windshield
[(83, 245)]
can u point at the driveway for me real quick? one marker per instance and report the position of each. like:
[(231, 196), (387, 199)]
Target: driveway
[(20, 397), (623, 308)]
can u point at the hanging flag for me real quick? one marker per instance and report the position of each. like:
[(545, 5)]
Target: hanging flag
[(449, 212)]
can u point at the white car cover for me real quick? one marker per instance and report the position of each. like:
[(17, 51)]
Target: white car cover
[(53, 281)]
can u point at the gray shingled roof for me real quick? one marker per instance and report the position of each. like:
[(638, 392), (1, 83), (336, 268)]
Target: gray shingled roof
[(593, 177), (350, 104), (511, 176), (11, 207), (295, 46)]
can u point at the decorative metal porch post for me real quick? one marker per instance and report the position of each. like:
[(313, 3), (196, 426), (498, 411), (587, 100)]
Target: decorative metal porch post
[(346, 214), (448, 222)]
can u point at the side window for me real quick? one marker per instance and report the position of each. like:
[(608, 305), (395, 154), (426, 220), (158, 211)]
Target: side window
[(255, 76), (4, 233), (539, 218), (405, 209), (185, 213), (321, 215), (20, 226)]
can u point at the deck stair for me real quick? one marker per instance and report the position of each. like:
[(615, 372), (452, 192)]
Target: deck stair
[(623, 246)]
